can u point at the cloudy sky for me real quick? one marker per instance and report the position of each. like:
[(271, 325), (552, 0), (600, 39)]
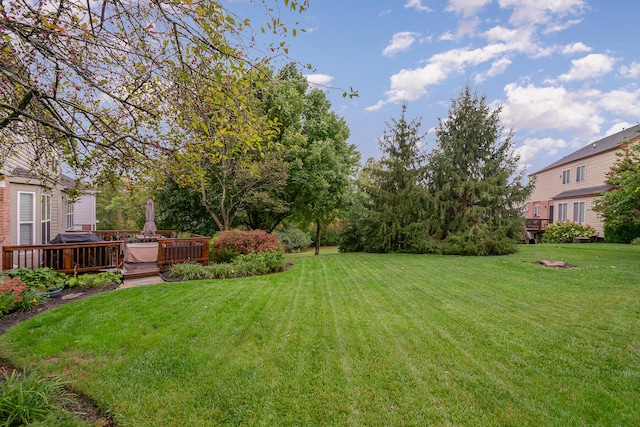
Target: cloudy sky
[(566, 72)]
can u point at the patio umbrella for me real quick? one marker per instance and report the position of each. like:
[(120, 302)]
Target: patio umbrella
[(149, 218)]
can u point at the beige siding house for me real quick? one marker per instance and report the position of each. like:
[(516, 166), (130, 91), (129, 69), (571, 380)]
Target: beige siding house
[(33, 210), (565, 190)]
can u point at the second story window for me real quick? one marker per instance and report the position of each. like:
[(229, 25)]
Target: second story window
[(566, 176), (536, 210), (581, 173)]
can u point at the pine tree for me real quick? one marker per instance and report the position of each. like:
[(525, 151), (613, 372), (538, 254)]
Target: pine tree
[(474, 180), (397, 198)]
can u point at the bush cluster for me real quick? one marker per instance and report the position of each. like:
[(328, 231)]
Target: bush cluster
[(624, 233), (227, 245), (566, 232), (253, 264), (43, 279), (97, 280), (17, 295), (294, 239)]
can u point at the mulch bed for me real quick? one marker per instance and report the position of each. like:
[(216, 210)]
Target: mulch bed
[(82, 406)]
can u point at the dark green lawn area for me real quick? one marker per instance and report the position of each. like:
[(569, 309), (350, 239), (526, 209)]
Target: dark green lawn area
[(361, 339)]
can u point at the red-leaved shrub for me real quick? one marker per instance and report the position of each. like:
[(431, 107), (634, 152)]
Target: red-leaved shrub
[(229, 244)]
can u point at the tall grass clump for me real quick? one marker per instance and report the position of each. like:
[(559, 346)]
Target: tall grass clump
[(27, 397)]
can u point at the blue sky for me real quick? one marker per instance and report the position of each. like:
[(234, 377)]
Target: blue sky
[(566, 72)]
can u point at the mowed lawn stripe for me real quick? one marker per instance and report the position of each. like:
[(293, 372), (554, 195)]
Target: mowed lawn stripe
[(362, 339)]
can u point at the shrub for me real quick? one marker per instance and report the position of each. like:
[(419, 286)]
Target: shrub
[(264, 262), (636, 241), (294, 239), (624, 233), (566, 232), (229, 244), (43, 279), (188, 271), (26, 398), (97, 280), (15, 294)]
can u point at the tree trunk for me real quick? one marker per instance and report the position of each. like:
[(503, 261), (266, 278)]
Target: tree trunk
[(318, 236)]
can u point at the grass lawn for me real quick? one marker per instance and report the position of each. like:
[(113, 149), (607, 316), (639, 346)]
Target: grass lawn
[(361, 339)]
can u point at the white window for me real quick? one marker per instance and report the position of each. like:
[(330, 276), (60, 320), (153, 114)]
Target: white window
[(536, 210), (45, 215), (70, 219), (581, 173), (566, 176), (578, 211), (562, 211), (26, 218)]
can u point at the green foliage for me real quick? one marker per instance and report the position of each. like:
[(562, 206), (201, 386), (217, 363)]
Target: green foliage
[(623, 233), (95, 280), (395, 197), (566, 232), (636, 241), (120, 204), (294, 239), (188, 271), (229, 244), (620, 206), (42, 279), (474, 180), (16, 294), (27, 397), (181, 209), (253, 264), (330, 234)]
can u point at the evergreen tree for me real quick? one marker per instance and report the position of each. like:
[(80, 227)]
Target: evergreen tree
[(397, 200), (474, 181)]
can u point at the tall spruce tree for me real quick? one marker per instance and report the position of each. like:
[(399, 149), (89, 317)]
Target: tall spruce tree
[(398, 202), (474, 180)]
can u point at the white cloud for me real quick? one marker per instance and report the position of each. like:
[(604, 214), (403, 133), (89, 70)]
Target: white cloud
[(575, 48), (552, 107), (618, 127), (400, 42), (417, 5), (467, 8), (631, 71), (620, 102), (593, 65), (541, 12), (537, 147), (498, 67), (319, 79), (410, 85)]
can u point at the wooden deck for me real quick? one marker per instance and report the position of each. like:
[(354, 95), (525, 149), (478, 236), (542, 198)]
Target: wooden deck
[(73, 258)]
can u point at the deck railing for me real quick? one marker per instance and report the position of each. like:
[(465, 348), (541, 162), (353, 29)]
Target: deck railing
[(173, 251), (98, 256), (67, 257), (536, 224)]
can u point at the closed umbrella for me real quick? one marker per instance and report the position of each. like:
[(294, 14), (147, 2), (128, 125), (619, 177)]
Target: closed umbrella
[(149, 218)]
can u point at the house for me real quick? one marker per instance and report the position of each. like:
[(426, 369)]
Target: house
[(33, 210), (566, 189)]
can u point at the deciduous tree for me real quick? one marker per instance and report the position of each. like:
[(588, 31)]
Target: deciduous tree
[(620, 206)]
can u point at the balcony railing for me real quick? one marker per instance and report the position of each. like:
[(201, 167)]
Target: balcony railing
[(536, 224)]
